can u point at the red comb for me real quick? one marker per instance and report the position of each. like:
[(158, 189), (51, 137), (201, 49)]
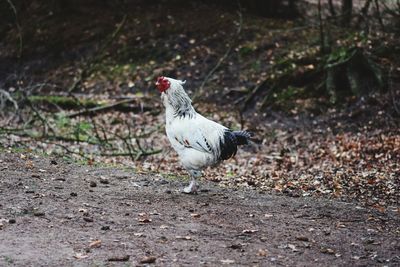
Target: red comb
[(162, 84)]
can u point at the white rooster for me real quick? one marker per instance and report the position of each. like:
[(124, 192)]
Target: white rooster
[(198, 141)]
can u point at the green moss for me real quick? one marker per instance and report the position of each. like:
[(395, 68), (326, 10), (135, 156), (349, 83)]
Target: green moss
[(63, 101), (173, 177)]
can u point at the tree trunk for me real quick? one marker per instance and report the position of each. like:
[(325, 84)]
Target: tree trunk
[(347, 10), (331, 8)]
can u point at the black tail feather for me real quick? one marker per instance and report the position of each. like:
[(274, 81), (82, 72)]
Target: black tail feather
[(242, 137), (229, 142)]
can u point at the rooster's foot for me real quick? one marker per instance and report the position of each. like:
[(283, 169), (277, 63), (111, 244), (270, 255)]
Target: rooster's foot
[(191, 188)]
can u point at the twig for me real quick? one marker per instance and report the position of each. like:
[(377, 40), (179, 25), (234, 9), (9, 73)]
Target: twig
[(364, 11), (8, 97), (71, 151), (88, 111), (46, 124), (128, 154), (223, 58), (91, 62), (250, 96), (378, 13)]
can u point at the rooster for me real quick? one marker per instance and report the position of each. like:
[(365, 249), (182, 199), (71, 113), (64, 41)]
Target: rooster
[(199, 142)]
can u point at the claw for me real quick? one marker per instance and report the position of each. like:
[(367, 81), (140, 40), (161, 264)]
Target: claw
[(191, 188)]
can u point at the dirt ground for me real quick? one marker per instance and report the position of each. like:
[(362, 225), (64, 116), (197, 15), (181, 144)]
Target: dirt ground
[(56, 213)]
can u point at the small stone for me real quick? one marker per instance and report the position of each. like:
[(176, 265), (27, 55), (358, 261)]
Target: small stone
[(11, 221), (73, 194), (39, 213), (53, 162), (104, 180), (164, 181), (105, 227), (92, 184), (327, 251), (88, 219), (119, 258), (326, 231), (235, 246), (302, 238)]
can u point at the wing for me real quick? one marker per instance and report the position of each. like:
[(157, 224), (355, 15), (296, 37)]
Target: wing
[(197, 133)]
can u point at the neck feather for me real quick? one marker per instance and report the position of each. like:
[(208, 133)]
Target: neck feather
[(181, 104)]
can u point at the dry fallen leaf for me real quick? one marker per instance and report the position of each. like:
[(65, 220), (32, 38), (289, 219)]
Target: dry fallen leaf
[(95, 244), (183, 237), (80, 255), (292, 247), (327, 251), (227, 261), (148, 259), (262, 252), (29, 164), (144, 220), (249, 231)]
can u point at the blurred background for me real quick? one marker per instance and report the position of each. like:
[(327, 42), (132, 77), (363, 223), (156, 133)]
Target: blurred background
[(316, 81)]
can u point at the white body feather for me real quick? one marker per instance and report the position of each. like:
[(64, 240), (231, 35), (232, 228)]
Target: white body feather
[(196, 139)]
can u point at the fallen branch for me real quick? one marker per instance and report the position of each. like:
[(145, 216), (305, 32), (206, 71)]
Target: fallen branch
[(92, 111), (128, 154)]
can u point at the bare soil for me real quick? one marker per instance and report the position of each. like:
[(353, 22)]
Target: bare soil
[(57, 213)]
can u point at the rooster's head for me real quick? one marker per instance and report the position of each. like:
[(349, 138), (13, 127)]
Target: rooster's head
[(163, 84)]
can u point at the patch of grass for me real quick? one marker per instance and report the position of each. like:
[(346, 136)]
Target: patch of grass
[(174, 177), (246, 50), (285, 99), (113, 71), (8, 260), (256, 65)]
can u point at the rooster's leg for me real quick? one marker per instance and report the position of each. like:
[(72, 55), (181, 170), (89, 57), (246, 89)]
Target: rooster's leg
[(193, 186)]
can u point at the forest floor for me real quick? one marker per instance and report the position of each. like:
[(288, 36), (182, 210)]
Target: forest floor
[(319, 186), (62, 214)]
